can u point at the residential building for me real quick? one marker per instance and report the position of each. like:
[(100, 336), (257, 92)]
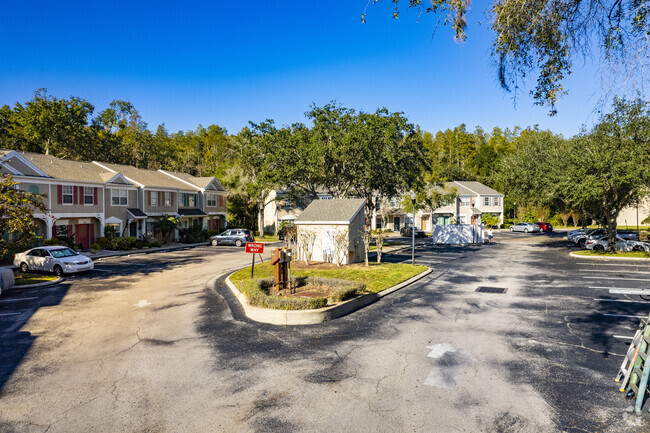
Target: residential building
[(279, 207), (473, 200), (83, 198)]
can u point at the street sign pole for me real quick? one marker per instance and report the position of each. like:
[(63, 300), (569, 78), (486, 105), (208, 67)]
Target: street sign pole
[(253, 267)]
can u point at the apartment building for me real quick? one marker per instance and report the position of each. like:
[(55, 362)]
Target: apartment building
[(83, 198)]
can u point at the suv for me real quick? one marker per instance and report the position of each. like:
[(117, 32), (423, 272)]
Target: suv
[(237, 237), (545, 227), (406, 232)]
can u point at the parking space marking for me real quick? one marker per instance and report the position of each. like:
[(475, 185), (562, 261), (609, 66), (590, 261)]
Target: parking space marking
[(616, 278), (610, 264), (622, 300), (625, 315), (103, 270), (623, 337), (18, 299), (618, 288), (10, 314), (613, 272)]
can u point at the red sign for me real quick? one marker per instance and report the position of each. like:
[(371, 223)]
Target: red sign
[(255, 247)]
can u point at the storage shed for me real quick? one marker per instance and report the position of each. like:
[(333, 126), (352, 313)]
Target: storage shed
[(331, 231)]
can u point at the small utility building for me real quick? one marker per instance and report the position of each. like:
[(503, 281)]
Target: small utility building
[(334, 229)]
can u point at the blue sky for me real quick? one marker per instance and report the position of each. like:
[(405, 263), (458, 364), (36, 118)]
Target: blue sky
[(225, 63)]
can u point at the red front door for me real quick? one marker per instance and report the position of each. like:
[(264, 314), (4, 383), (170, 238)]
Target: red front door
[(82, 235)]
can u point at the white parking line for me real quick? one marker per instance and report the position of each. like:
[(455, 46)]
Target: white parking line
[(619, 288), (18, 299), (616, 278), (623, 337), (613, 272), (611, 264), (103, 270), (10, 314), (624, 315), (621, 300)]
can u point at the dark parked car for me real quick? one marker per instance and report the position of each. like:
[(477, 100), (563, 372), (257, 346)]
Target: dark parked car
[(545, 227), (406, 231), (237, 237)]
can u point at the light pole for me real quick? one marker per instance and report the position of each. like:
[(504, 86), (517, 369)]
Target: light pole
[(514, 213), (413, 230)]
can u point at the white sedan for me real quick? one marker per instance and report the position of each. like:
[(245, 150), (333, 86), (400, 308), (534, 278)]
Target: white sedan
[(56, 259), (601, 244)]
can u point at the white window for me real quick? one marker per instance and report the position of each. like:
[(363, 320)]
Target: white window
[(168, 198), (89, 195), (486, 201), (496, 201), (462, 219), (212, 200), (154, 198), (464, 201), (116, 228), (186, 200), (67, 194), (119, 197)]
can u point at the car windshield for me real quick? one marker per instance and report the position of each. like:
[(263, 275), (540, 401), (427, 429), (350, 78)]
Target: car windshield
[(65, 252)]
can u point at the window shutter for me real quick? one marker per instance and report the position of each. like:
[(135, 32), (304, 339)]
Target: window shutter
[(59, 193), (149, 195), (81, 195), (161, 197), (94, 196), (75, 195)]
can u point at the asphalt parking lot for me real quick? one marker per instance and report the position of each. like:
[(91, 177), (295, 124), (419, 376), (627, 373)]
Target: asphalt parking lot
[(157, 343)]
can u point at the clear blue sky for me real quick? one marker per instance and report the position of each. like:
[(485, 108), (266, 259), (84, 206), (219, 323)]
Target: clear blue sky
[(228, 62)]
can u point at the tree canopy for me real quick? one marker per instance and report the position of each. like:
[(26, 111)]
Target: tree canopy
[(546, 37)]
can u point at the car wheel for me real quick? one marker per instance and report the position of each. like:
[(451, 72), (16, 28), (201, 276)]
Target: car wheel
[(637, 248), (215, 242), (581, 243), (511, 229), (599, 248), (58, 270), (24, 268), (238, 242), (525, 230)]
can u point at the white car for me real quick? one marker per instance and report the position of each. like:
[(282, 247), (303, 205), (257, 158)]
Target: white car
[(525, 227), (56, 259), (600, 244)]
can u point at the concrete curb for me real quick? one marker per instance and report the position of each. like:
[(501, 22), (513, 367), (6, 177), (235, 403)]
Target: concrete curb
[(313, 317), (635, 259), (31, 286)]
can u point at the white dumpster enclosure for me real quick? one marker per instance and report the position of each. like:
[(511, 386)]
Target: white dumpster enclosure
[(458, 234)]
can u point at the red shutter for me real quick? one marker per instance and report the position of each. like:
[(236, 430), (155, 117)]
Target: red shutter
[(81, 195), (220, 201), (94, 196), (59, 193), (70, 231), (75, 195)]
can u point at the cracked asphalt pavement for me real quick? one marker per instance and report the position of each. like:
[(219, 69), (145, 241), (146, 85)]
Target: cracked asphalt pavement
[(157, 343)]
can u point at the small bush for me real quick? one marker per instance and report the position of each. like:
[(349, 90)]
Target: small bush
[(138, 244), (104, 243), (95, 246), (211, 233), (52, 242), (155, 244)]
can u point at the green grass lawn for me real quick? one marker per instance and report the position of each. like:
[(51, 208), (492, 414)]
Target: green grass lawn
[(636, 254), (267, 239), (24, 279), (376, 277)]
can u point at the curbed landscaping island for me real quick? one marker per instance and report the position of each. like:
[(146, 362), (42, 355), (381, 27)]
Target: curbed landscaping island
[(618, 254), (320, 284)]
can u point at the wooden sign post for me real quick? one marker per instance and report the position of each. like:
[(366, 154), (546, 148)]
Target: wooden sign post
[(254, 248)]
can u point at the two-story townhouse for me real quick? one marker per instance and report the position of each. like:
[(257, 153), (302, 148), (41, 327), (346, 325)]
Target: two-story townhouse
[(83, 198), (157, 196), (204, 204), (77, 194)]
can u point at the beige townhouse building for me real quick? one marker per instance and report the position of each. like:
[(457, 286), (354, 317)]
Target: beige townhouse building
[(83, 198)]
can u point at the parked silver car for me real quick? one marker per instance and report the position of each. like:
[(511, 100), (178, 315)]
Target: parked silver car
[(581, 239), (601, 244), (237, 237), (56, 259), (525, 227)]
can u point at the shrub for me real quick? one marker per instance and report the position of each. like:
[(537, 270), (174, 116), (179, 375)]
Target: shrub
[(194, 234), (138, 244), (211, 233), (155, 244), (52, 242), (95, 246), (104, 243)]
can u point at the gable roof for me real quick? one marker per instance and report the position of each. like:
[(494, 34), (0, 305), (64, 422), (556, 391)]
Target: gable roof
[(65, 169), (147, 178), (478, 188), (198, 182), (340, 211)]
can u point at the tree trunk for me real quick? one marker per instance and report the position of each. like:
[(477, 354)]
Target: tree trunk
[(610, 229), (260, 218)]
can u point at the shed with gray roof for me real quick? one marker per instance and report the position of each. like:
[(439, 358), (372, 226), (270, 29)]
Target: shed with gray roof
[(334, 229)]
